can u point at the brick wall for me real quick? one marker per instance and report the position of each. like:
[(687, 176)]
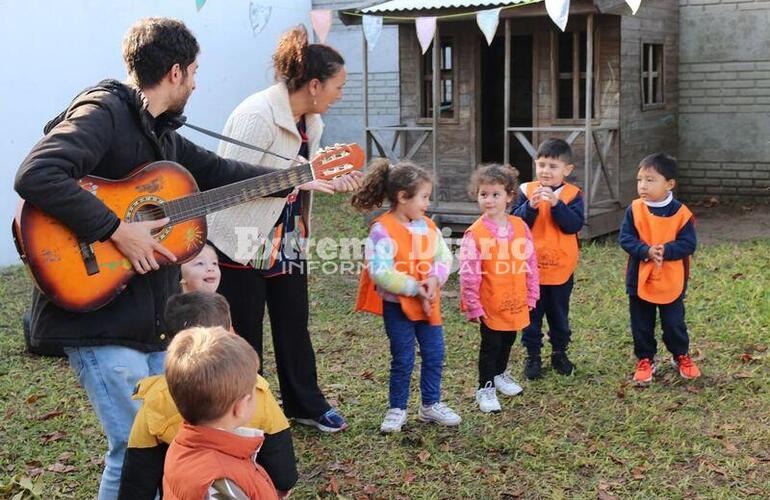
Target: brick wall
[(724, 89)]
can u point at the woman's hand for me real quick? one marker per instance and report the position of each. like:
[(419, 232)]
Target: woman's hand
[(320, 185), (348, 182)]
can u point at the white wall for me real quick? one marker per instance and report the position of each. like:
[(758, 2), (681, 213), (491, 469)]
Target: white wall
[(50, 50)]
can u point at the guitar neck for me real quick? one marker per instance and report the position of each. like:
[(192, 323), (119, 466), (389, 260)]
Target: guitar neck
[(207, 202)]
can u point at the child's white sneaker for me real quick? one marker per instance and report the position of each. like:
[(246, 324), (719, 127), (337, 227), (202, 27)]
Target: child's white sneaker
[(395, 418), (440, 414), (505, 384), (487, 399)]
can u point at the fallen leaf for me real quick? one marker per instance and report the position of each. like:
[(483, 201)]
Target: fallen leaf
[(367, 374), (746, 358), (637, 473), (716, 469), (423, 456), (737, 276), (730, 448), (34, 397), (512, 494), (61, 468), (744, 374), (370, 489), (332, 486), (692, 389), (616, 459), (50, 415), (409, 477), (528, 449), (760, 348), (66, 456), (53, 436)]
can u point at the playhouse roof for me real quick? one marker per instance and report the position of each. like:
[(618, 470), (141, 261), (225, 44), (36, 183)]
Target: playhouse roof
[(407, 5)]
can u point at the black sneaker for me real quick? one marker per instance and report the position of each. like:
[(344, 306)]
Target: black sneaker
[(561, 363), (533, 369)]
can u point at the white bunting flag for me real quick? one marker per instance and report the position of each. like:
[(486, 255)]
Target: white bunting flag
[(426, 28), (558, 10), (322, 22), (372, 29), (488, 21), (634, 4)]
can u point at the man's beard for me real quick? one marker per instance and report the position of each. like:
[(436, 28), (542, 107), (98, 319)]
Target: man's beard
[(177, 107)]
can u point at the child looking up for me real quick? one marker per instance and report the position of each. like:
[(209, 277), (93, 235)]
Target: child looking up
[(201, 272), (658, 233), (498, 279), (407, 262), (553, 209)]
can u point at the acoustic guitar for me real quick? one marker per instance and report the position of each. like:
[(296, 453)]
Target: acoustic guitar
[(82, 277)]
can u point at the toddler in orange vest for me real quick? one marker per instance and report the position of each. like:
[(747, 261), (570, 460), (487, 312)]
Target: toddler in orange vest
[(407, 262), (658, 233), (498, 279), (212, 377), (553, 209)]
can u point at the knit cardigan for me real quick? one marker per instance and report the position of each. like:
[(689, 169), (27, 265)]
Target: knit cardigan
[(263, 119)]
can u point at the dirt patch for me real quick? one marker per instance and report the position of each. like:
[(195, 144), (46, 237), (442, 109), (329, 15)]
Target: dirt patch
[(730, 223)]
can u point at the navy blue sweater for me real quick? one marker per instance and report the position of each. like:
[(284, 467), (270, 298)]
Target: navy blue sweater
[(569, 217), (680, 248)]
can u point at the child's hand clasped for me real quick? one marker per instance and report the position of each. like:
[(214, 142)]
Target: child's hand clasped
[(545, 194), (655, 254)]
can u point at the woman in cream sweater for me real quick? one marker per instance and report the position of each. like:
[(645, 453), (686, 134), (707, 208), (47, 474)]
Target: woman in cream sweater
[(260, 242)]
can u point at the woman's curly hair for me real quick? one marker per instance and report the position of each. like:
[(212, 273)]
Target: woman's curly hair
[(296, 62)]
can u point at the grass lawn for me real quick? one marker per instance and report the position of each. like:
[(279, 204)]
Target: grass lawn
[(588, 436)]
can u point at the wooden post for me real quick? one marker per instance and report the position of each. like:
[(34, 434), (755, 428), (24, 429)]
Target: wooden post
[(589, 107), (365, 93), (436, 111), (507, 94)]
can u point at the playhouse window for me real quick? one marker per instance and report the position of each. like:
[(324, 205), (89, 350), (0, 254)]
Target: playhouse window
[(570, 86), (652, 75), (446, 82)]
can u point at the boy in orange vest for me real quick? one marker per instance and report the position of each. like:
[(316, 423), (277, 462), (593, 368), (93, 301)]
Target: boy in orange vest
[(553, 209), (658, 233), (212, 377)]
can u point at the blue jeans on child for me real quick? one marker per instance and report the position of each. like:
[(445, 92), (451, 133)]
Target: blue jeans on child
[(402, 333), (109, 375)]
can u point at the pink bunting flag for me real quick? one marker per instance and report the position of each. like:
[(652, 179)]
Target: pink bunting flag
[(426, 28), (322, 22), (634, 4)]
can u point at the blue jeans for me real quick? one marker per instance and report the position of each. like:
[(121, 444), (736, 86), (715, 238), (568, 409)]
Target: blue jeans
[(402, 333), (109, 375)]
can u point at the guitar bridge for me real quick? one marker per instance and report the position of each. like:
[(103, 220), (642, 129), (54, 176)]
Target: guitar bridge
[(89, 259)]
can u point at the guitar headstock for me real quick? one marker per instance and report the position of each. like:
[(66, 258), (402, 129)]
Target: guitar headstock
[(337, 160)]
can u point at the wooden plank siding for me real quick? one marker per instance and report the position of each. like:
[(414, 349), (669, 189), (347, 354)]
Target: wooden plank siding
[(654, 130)]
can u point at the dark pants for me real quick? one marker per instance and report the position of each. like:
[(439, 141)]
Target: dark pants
[(494, 351), (554, 305), (287, 302), (402, 333), (675, 335)]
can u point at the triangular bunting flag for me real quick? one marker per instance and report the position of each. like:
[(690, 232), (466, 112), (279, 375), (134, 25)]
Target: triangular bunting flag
[(558, 10), (322, 22), (634, 4), (426, 28), (488, 21), (372, 29), (199, 4)]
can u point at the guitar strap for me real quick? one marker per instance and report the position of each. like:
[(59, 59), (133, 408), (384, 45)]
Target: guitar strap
[(233, 141)]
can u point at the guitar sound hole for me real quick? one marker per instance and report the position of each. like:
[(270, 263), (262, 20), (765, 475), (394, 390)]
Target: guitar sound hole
[(149, 213)]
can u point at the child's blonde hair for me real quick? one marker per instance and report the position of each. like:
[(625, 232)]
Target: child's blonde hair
[(494, 173), (208, 370), (385, 181)]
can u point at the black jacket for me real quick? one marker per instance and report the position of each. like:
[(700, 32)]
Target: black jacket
[(108, 132)]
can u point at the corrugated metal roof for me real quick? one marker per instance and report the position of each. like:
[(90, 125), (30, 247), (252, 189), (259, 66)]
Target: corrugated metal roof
[(406, 5)]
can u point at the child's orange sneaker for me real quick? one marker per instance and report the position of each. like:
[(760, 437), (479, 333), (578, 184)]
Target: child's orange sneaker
[(645, 369), (686, 366)]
